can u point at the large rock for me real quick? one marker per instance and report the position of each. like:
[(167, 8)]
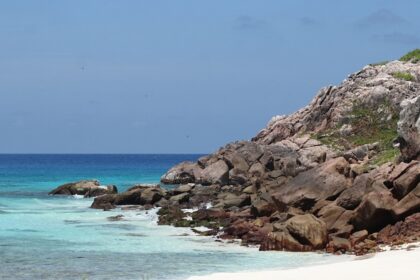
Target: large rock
[(237, 161), (330, 214), (409, 129), (138, 195), (375, 211), (101, 190), (183, 173), (216, 173), (308, 230), (350, 198), (87, 188), (408, 205), (325, 181), (402, 232), (283, 240), (338, 244), (228, 200), (407, 181), (262, 206)]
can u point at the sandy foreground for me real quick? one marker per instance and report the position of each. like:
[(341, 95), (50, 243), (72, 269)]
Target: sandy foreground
[(395, 264)]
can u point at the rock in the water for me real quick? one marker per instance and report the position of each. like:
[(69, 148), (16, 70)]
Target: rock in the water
[(87, 188), (101, 190)]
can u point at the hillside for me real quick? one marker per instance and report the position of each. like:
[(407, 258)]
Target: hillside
[(341, 174)]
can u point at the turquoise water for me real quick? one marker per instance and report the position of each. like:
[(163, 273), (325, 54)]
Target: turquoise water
[(45, 237)]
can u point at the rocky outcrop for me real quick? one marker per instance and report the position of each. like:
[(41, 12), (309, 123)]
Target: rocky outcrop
[(315, 179), (332, 105), (405, 231), (87, 188), (136, 195), (409, 129), (327, 177)]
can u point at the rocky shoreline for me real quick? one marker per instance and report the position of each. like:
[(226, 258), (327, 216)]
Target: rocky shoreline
[(340, 175)]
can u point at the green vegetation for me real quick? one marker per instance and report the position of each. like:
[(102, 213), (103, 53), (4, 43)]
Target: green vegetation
[(403, 75), (379, 63), (369, 124), (413, 56)]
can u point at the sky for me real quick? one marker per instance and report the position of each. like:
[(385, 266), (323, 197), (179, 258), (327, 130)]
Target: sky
[(86, 76)]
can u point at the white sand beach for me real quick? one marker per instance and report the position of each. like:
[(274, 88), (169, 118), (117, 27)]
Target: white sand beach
[(394, 264)]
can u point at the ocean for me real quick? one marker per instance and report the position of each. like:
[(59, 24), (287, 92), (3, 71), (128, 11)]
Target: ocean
[(60, 237)]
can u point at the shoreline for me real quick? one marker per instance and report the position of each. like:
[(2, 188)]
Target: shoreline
[(387, 265)]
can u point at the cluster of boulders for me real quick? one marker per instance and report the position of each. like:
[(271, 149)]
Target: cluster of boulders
[(285, 190), (87, 188)]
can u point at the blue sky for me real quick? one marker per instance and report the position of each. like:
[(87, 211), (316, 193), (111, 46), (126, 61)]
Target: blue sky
[(178, 76)]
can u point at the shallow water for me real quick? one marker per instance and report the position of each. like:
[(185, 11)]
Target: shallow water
[(45, 237)]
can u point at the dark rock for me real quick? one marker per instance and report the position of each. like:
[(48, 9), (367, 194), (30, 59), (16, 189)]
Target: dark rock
[(115, 218), (87, 188), (402, 232), (308, 230), (359, 153), (261, 207), (216, 173), (257, 169), (180, 198), (374, 212), (342, 226), (228, 200), (325, 181), (171, 215), (330, 214), (250, 151), (338, 244), (407, 181), (105, 202), (237, 177), (358, 236), (101, 190), (408, 205), (409, 129), (351, 198), (283, 240), (183, 173), (184, 188), (143, 187), (236, 161)]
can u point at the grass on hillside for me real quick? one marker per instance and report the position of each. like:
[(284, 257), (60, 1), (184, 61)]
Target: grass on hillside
[(379, 63), (413, 56), (403, 75), (377, 124)]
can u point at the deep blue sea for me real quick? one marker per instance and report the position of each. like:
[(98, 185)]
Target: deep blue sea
[(45, 237)]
